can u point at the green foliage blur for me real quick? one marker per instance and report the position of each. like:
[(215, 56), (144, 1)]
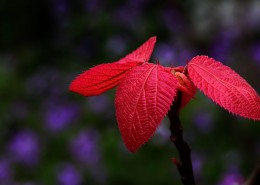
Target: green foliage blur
[(51, 136)]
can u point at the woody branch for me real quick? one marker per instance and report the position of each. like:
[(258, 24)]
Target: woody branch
[(184, 164)]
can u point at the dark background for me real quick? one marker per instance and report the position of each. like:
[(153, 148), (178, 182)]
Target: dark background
[(49, 135)]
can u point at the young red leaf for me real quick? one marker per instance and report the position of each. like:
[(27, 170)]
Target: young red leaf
[(186, 97), (103, 77), (143, 98), (186, 86), (224, 86)]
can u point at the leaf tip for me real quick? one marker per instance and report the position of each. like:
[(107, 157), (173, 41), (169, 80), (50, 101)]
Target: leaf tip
[(74, 85), (152, 39)]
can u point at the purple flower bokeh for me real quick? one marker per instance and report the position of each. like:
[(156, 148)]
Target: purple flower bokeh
[(68, 175), (204, 122), (61, 11), (116, 45), (60, 7), (222, 45), (220, 49), (166, 54), (170, 55), (45, 81), (84, 147), (255, 53), (5, 171), (197, 164), (59, 116), (231, 178), (162, 134), (173, 20), (232, 160), (25, 148), (127, 16), (99, 104)]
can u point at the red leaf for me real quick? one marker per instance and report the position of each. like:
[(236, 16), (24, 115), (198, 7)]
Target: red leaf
[(100, 78), (103, 77), (143, 98), (224, 86), (143, 53)]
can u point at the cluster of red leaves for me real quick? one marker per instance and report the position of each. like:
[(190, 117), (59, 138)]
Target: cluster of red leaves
[(146, 91)]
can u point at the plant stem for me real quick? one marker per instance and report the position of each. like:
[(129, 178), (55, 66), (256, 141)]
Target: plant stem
[(184, 164)]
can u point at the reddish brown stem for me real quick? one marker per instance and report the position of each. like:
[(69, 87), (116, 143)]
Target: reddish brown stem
[(184, 164)]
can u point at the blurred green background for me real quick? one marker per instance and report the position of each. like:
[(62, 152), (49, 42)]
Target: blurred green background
[(49, 135)]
